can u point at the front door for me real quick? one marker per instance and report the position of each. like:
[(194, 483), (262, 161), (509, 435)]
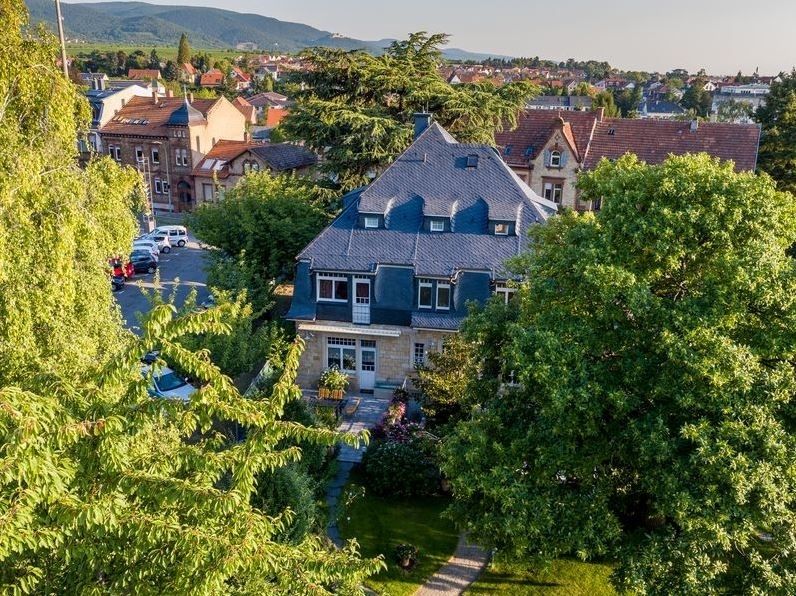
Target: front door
[(361, 309), (367, 364)]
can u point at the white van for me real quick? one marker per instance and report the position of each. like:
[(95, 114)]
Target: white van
[(178, 235)]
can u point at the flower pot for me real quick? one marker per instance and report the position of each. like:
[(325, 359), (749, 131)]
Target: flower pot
[(323, 392), (337, 394)]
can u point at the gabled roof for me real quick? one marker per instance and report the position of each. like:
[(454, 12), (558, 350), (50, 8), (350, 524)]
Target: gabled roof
[(188, 68), (212, 78), (653, 140), (240, 75), (535, 127), (269, 98), (245, 108), (433, 172), (143, 73), (142, 116), (279, 157)]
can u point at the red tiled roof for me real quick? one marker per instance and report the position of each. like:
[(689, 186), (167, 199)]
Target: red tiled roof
[(653, 140), (220, 155), (245, 108), (143, 117), (535, 127), (189, 68), (143, 73), (212, 78), (274, 116), (240, 75)]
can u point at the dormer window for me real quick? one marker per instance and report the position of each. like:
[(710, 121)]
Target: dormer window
[(555, 159), (436, 225), (501, 229), (472, 161), (370, 222)]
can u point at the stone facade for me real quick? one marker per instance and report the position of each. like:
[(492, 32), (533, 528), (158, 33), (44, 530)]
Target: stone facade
[(395, 355)]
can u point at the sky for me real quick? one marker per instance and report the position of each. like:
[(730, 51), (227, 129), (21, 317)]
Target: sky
[(721, 36)]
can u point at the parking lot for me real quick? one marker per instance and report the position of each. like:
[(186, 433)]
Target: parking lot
[(182, 268)]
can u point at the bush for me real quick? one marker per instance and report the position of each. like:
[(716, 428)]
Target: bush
[(401, 469), (406, 555), (288, 487)]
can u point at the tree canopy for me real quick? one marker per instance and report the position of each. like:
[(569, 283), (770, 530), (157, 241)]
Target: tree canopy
[(183, 51), (653, 420), (357, 108), (777, 118)]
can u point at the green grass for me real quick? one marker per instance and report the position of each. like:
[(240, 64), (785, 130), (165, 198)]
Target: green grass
[(164, 52), (380, 524), (563, 577)]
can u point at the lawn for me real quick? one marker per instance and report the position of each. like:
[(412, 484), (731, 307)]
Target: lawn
[(380, 524), (563, 576)]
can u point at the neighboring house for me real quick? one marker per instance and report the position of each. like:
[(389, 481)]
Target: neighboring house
[(227, 161), (560, 102), (246, 109), (145, 74), (165, 137), (93, 80), (660, 108), (188, 73), (153, 85), (212, 78), (390, 279), (242, 80), (754, 94), (548, 149), (270, 107), (105, 104)]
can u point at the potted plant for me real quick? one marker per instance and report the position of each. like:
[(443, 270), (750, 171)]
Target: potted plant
[(332, 384), (406, 556)]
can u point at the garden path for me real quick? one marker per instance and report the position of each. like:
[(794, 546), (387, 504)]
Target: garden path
[(371, 409), (461, 570)]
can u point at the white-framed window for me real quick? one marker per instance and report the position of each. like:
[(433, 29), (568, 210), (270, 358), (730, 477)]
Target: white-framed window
[(207, 191), (424, 293), (371, 221), (139, 154), (115, 152), (443, 296), (553, 191), (184, 154), (419, 354), (332, 287), (155, 155), (165, 184), (504, 291), (555, 159), (501, 229), (158, 186), (342, 353), (436, 225)]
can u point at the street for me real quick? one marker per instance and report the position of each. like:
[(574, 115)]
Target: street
[(182, 268)]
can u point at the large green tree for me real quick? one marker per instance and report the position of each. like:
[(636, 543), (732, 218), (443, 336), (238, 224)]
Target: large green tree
[(357, 108), (102, 488), (654, 419), (258, 229), (183, 51), (696, 98), (777, 119)]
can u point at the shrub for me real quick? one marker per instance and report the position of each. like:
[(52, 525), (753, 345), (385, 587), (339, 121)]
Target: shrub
[(401, 469), (288, 487), (406, 555), (333, 378)]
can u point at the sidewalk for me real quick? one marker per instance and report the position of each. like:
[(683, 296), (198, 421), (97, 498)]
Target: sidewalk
[(461, 570), (368, 415)]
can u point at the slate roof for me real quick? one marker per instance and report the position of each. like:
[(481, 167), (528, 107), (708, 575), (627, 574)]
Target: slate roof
[(653, 140), (534, 129), (660, 106), (268, 99), (433, 171), (561, 101), (141, 116), (432, 320)]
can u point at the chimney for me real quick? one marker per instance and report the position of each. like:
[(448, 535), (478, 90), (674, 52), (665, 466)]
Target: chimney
[(101, 83), (422, 122), (155, 96), (190, 97), (694, 125), (169, 93)]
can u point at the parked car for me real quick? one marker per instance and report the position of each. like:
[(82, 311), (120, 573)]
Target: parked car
[(147, 244), (117, 282), (162, 241), (178, 235), (168, 384), (143, 261)]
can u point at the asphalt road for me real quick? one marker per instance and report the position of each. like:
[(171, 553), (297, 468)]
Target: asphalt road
[(180, 270)]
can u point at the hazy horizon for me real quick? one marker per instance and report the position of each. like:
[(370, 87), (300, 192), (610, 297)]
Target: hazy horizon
[(716, 36)]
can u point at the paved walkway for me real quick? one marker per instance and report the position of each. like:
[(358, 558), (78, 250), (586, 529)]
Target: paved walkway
[(461, 570), (371, 409)]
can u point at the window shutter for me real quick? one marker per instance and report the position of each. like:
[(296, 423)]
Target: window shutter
[(547, 153), (564, 157)]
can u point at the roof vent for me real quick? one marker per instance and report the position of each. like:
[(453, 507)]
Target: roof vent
[(472, 161), (612, 131), (694, 125)]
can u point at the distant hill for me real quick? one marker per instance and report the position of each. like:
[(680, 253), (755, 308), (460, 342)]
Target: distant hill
[(139, 23)]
